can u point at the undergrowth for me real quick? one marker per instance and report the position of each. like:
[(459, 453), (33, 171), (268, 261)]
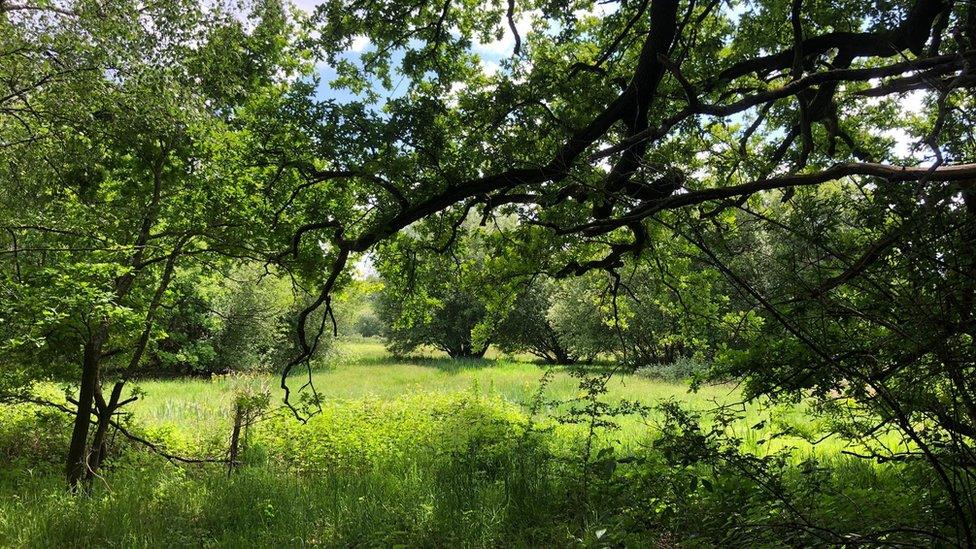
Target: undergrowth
[(464, 469)]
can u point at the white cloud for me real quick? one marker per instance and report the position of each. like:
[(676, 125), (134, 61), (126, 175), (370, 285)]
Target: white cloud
[(505, 45), (359, 43), (912, 102), (365, 267), (490, 68), (308, 6), (600, 10), (909, 104), (903, 141)]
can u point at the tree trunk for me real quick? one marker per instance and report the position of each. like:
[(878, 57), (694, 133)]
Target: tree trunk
[(104, 411), (77, 462), (562, 355)]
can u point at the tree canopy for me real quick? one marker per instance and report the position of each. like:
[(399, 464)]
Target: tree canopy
[(601, 125), (122, 147), (818, 156)]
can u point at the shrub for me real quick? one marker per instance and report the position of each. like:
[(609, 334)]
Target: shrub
[(681, 369), (32, 436), (242, 322)]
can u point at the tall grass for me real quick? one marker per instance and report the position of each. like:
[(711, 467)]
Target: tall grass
[(433, 452), (363, 369)]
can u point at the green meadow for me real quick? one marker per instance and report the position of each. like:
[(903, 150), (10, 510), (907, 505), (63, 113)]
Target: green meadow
[(432, 452), (362, 370)]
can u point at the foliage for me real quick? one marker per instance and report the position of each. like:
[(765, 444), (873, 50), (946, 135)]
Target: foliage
[(432, 299), (784, 207), (886, 351), (356, 308), (579, 315), (124, 177), (467, 469), (679, 370), (783, 187), (369, 325)]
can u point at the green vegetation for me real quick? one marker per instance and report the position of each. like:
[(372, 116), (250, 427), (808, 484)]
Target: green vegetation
[(430, 451), (276, 273), (365, 371)]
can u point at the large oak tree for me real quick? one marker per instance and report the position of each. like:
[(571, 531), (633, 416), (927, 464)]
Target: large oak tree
[(818, 155)]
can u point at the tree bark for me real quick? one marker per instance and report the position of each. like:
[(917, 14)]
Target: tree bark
[(104, 411), (77, 461), (235, 439)]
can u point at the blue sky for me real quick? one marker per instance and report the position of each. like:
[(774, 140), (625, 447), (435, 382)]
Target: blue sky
[(491, 53)]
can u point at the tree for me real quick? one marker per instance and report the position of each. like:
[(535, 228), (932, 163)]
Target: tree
[(554, 107), (654, 312), (559, 322), (118, 131), (603, 133), (671, 304), (526, 327), (357, 305), (237, 318), (430, 299)]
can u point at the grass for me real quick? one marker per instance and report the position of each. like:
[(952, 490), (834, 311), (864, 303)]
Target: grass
[(428, 452), (364, 370)]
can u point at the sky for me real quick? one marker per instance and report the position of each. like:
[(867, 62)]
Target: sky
[(491, 53)]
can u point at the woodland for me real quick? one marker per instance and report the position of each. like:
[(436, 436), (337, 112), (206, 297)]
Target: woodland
[(486, 273)]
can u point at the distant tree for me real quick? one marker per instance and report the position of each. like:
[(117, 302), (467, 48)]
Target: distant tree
[(578, 315), (526, 327), (369, 324), (190, 327), (356, 307), (543, 320), (442, 317), (433, 299), (671, 306)]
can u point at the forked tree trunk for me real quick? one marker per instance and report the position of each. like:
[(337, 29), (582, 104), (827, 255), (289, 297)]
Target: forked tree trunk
[(104, 412), (77, 462)]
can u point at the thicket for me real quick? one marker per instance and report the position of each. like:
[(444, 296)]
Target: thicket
[(240, 321)]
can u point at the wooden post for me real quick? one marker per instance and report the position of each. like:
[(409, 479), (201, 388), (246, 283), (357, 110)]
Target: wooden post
[(235, 438)]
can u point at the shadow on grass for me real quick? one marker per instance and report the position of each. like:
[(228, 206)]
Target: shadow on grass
[(444, 364), (458, 365)]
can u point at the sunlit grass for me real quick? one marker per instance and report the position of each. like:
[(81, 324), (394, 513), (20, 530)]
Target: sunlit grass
[(419, 450), (364, 369)]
